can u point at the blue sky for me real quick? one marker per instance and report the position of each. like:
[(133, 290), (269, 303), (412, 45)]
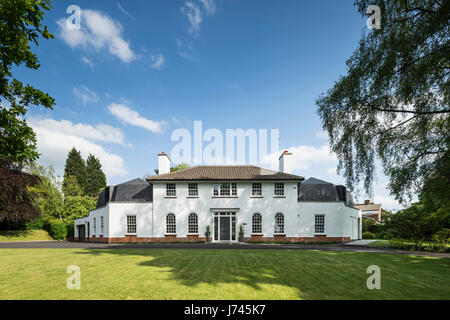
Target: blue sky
[(138, 70)]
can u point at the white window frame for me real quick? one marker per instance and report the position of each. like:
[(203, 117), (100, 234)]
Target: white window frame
[(95, 226), (131, 224), (225, 189), (257, 223), (171, 226), (319, 224), (279, 223), (192, 223), (278, 189), (101, 224), (257, 189), (193, 189), (171, 190)]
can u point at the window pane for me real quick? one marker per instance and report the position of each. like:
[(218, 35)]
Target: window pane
[(171, 190)]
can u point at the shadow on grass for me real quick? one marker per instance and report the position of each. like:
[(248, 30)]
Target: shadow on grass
[(314, 274)]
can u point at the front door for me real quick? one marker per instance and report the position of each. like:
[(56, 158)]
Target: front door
[(224, 227)]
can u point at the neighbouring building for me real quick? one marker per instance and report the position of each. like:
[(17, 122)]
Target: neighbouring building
[(178, 206), (370, 210)]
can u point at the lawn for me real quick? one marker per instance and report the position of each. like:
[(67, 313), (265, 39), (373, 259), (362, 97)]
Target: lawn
[(218, 274), (24, 235)]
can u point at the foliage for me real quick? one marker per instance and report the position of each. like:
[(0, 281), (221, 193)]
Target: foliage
[(56, 228), (96, 179), (442, 239), (75, 167), (17, 202), (71, 188), (393, 103), (368, 235), (77, 207), (49, 198), (180, 166), (20, 26), (37, 224)]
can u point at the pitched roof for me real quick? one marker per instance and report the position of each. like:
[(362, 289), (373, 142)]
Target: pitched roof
[(224, 173), (368, 207), (322, 191), (136, 190)]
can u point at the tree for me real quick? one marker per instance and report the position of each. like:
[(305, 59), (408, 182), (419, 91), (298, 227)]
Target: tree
[(393, 103), (96, 179), (17, 202), (75, 167), (180, 166), (71, 188), (20, 25), (48, 194)]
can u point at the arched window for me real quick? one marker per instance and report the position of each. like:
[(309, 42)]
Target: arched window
[(171, 224), (256, 223), (193, 224), (279, 223)]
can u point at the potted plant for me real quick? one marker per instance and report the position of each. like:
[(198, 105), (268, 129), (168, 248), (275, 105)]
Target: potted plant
[(208, 233), (241, 233)]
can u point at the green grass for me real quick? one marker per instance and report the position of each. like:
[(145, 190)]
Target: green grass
[(218, 274), (24, 235)]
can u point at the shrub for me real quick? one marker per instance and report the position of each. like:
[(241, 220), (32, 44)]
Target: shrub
[(70, 230), (383, 235), (368, 235), (56, 228), (441, 239), (37, 224)]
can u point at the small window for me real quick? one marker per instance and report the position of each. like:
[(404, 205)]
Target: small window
[(256, 189), (193, 224), (193, 189), (171, 190), (279, 189), (234, 189), (131, 224), (171, 224), (256, 223), (101, 224), (319, 223), (95, 225), (279, 223)]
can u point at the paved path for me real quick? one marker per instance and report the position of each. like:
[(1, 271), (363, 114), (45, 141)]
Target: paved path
[(186, 246), (359, 242)]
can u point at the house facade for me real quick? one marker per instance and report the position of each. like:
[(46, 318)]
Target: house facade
[(179, 206), (370, 210)]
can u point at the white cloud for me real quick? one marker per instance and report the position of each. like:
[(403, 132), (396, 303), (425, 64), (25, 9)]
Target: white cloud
[(388, 203), (88, 62), (322, 134), (332, 170), (129, 116), (101, 132), (209, 6), (157, 61), (183, 51), (303, 157), (56, 138), (97, 32), (85, 94), (192, 11)]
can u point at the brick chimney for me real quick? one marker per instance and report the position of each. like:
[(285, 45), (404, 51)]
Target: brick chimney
[(366, 201), (163, 163)]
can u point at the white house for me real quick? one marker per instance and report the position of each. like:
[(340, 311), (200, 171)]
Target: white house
[(178, 206)]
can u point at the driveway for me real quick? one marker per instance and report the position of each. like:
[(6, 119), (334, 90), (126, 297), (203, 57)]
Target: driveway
[(187, 246)]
